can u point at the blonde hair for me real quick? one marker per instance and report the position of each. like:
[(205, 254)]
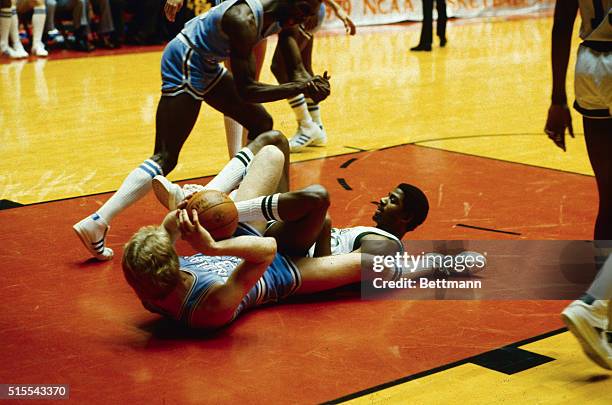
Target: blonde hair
[(150, 263)]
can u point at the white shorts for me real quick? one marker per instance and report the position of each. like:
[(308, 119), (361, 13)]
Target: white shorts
[(593, 83)]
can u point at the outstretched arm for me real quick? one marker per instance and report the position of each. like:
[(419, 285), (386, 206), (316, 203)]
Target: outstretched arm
[(559, 117)]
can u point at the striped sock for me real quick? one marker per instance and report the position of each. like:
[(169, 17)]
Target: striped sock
[(5, 27), (259, 209), (135, 186), (38, 25), (300, 108), (315, 111), (232, 174), (14, 32)]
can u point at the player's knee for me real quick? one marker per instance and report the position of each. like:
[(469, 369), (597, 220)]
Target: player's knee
[(273, 155), (275, 138), (317, 195)]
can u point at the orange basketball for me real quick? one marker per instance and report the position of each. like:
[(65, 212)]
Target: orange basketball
[(216, 212)]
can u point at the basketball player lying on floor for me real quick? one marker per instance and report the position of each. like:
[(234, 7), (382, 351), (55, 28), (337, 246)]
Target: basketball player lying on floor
[(259, 264)]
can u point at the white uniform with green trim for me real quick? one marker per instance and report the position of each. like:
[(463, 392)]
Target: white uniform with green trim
[(347, 240)]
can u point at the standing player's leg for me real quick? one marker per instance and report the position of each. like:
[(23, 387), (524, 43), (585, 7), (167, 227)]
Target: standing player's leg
[(597, 133), (235, 134), (590, 318), (175, 119), (308, 131), (177, 113)]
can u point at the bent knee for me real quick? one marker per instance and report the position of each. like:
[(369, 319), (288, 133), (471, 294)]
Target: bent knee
[(316, 194), (273, 155)]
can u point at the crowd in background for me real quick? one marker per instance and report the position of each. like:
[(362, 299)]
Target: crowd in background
[(37, 27)]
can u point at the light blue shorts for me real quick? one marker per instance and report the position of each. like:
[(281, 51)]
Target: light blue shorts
[(185, 71)]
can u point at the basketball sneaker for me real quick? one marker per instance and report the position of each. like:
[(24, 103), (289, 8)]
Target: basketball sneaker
[(307, 133), (589, 324), (38, 49), (321, 140), (92, 232), (167, 193)]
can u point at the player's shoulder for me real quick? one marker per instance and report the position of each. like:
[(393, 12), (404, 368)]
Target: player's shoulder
[(377, 236), (239, 19)]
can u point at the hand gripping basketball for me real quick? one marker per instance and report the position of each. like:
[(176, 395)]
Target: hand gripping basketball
[(216, 212)]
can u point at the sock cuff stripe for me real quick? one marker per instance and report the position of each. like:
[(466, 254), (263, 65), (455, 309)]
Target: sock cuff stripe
[(299, 97), (153, 165), (264, 208), (313, 108), (274, 206), (243, 157), (5, 15), (297, 104), (248, 153), (144, 168)]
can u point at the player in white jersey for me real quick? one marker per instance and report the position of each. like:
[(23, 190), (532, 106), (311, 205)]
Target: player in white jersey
[(593, 90), (401, 211), (191, 73)]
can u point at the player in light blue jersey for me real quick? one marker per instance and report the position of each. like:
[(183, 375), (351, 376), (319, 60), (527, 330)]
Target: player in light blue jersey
[(307, 112), (191, 73)]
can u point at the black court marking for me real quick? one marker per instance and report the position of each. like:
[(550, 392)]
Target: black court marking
[(355, 148), (6, 204), (344, 184), (442, 368), (488, 229), (510, 360), (347, 163)]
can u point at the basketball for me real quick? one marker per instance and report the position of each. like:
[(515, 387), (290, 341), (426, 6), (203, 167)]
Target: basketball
[(216, 212)]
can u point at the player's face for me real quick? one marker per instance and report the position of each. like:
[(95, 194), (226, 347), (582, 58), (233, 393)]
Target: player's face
[(299, 12), (390, 209)]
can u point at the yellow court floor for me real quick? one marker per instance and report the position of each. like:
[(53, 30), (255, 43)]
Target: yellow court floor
[(570, 379), (78, 126)]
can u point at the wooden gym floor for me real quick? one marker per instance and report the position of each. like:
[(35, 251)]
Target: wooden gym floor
[(464, 123)]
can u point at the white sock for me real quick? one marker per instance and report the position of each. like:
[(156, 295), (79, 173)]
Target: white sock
[(233, 135), (15, 30), (5, 27), (315, 111), (38, 25), (259, 209), (300, 108), (232, 174), (135, 186)]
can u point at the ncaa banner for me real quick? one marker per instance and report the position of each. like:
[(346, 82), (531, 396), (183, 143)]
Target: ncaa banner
[(373, 12)]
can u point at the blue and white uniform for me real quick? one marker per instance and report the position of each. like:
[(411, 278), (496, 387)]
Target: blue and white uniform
[(280, 280), (191, 61)]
